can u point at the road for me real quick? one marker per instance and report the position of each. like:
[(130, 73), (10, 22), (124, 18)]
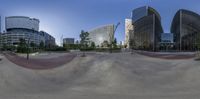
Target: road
[(104, 76)]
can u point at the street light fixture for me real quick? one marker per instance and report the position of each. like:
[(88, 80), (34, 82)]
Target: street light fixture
[(28, 48), (112, 37)]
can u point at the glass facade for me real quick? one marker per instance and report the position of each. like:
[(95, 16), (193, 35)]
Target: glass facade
[(13, 36), (19, 27), (101, 34), (167, 37), (147, 29), (139, 13), (186, 30), (22, 22)]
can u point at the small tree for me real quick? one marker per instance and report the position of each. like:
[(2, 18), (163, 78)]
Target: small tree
[(115, 43), (84, 40), (33, 45), (41, 46), (93, 45), (105, 43), (22, 46)]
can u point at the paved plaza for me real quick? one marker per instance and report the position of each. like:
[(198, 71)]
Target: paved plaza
[(103, 76)]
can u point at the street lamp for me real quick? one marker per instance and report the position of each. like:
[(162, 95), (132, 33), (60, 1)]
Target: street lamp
[(28, 49), (112, 36)]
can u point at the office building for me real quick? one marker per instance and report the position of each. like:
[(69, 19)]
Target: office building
[(128, 30), (186, 30), (167, 42), (147, 28), (21, 27), (102, 34)]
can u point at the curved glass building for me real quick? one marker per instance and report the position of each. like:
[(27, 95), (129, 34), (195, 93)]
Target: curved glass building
[(147, 28), (21, 27), (102, 34), (186, 30)]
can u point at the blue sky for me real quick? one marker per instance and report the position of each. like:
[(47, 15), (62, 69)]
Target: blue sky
[(69, 17)]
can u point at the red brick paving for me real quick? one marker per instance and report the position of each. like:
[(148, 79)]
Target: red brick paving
[(40, 63)]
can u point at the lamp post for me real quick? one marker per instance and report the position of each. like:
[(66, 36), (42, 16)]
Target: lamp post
[(112, 36), (28, 49)]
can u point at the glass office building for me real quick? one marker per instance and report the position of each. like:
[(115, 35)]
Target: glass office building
[(21, 27), (167, 43), (147, 28), (186, 30), (102, 34)]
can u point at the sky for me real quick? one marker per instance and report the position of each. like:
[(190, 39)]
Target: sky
[(69, 17)]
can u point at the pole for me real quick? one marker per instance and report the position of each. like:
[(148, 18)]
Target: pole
[(28, 49), (112, 36), (180, 46), (154, 33)]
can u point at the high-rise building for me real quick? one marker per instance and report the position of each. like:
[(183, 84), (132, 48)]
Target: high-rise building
[(21, 27), (102, 34), (147, 28), (128, 30), (186, 30)]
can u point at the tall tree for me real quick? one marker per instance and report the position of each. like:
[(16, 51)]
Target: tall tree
[(22, 46), (84, 36), (93, 45)]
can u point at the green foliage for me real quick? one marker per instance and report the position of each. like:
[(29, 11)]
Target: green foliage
[(84, 36), (105, 44), (41, 46), (115, 43), (22, 47), (56, 48), (93, 45), (71, 46)]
